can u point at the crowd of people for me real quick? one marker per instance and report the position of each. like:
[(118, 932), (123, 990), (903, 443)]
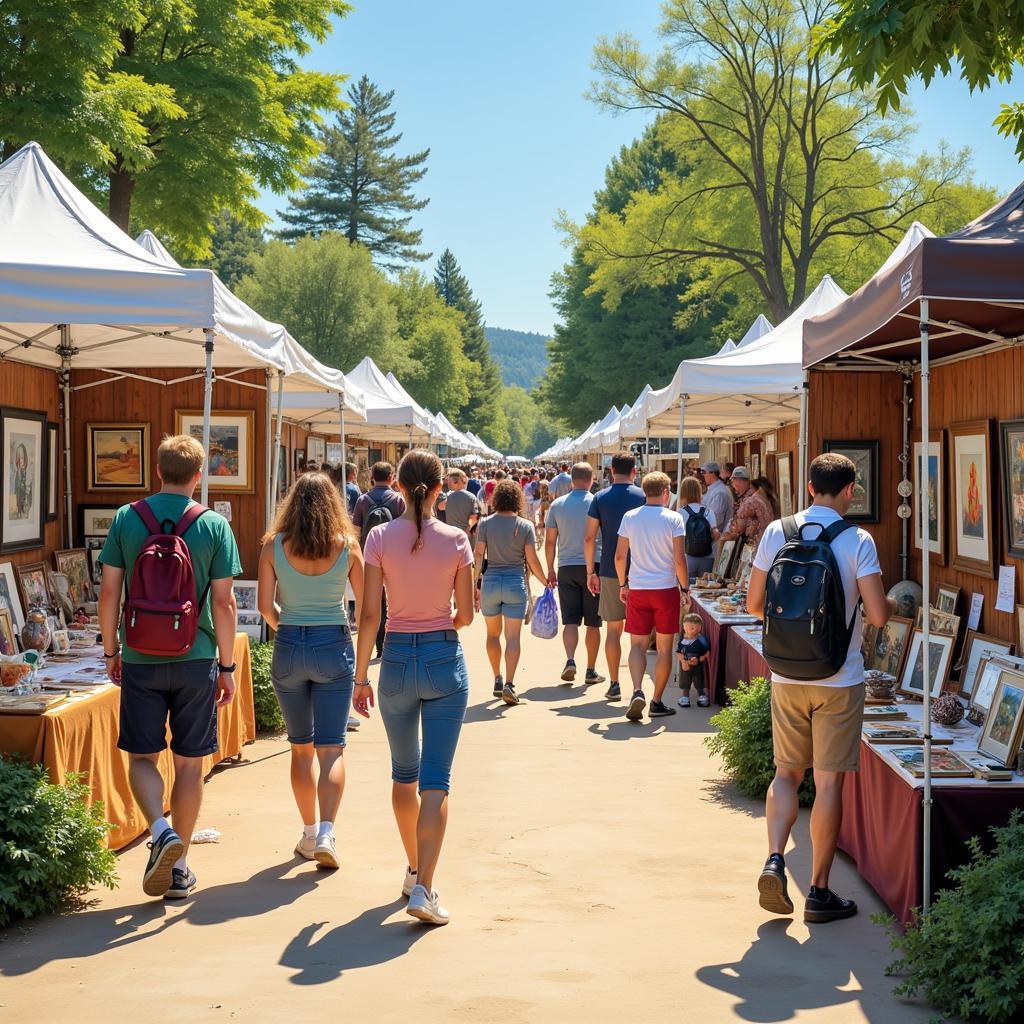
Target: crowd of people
[(403, 568)]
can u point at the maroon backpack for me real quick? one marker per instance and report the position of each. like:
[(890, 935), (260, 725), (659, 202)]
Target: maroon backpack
[(161, 614)]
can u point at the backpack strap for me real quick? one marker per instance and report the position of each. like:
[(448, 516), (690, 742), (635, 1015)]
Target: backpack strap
[(702, 512), (790, 528), (830, 533), (190, 515), (145, 513)]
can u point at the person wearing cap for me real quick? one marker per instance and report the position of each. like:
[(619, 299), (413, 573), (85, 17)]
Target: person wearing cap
[(718, 497), (753, 513)]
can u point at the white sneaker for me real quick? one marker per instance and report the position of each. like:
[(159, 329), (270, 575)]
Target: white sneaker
[(324, 852), (353, 724), (305, 846), (410, 882), (425, 907)]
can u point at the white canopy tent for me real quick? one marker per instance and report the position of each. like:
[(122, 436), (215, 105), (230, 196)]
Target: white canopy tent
[(390, 416), (758, 329), (76, 292)]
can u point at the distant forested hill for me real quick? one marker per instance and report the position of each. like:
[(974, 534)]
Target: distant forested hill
[(521, 355)]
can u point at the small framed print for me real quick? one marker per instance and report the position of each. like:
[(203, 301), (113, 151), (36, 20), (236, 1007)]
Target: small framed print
[(1011, 438), (725, 556), (74, 563), (889, 645), (946, 598), (250, 623), (10, 598), (987, 677), (335, 453), (940, 650), (299, 460), (784, 471), (1002, 733), (117, 456), (230, 458), (1020, 627), (972, 497), (864, 456), (95, 520), (34, 586), (245, 595), (53, 461), (93, 548), (978, 646), (8, 641), (22, 479), (316, 449), (936, 505)]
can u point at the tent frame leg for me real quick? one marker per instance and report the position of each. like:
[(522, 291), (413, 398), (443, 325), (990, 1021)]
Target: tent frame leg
[(275, 466), (65, 386), (682, 431), (803, 440), (926, 803), (207, 404)]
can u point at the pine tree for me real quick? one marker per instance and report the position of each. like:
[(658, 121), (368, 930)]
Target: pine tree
[(236, 247), (359, 186), (484, 414)]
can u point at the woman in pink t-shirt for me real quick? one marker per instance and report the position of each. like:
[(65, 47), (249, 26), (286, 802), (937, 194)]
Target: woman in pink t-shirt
[(422, 564)]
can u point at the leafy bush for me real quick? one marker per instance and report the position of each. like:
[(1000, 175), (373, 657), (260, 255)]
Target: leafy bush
[(51, 842), (744, 741), (268, 711), (966, 955)]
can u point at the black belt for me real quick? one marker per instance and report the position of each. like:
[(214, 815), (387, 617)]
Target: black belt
[(433, 636)]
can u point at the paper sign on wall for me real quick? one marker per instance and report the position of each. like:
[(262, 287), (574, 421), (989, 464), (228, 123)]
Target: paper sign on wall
[(1007, 588), (223, 508), (974, 617)]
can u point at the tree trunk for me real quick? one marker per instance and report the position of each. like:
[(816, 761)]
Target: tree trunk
[(122, 186)]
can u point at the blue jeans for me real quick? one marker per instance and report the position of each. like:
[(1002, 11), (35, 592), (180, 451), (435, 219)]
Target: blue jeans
[(503, 592), (313, 672), (423, 678)]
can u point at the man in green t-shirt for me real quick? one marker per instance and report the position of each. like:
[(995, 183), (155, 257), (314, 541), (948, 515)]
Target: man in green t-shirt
[(188, 688)]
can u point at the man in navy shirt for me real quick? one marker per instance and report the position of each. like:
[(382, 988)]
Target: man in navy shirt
[(352, 492), (474, 484), (605, 513)]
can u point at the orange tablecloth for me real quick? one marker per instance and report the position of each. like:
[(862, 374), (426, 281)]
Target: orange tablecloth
[(81, 736)]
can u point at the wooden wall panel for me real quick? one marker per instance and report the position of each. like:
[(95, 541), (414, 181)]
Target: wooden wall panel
[(29, 387)]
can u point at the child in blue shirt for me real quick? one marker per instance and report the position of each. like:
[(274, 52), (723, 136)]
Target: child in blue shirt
[(692, 652)]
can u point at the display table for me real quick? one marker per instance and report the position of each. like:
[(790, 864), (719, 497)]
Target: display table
[(743, 658), (717, 628), (882, 818), (80, 735)]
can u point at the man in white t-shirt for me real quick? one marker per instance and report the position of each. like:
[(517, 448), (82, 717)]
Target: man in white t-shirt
[(818, 725), (651, 548)]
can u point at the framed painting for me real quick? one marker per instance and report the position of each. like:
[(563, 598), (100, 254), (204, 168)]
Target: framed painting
[(230, 458), (95, 520), (245, 595), (74, 563), (725, 556), (250, 623), (1020, 627), (933, 521), (784, 470), (940, 648), (299, 460), (1002, 733), (8, 640), (940, 622), (889, 647), (282, 473), (60, 588), (10, 598), (316, 449), (117, 456), (988, 676), (972, 497), (34, 586), (93, 547), (52, 469), (22, 478), (1011, 440), (755, 466), (978, 646), (946, 598), (864, 456)]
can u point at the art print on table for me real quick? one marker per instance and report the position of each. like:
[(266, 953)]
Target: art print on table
[(10, 599), (784, 469), (250, 623), (8, 638), (864, 456), (245, 595), (1001, 734), (946, 598), (724, 558), (60, 588), (230, 458), (34, 587), (22, 478), (93, 548), (117, 456), (987, 678), (940, 650), (889, 647), (939, 622), (74, 563), (934, 519), (53, 462), (978, 646), (1011, 436), (943, 762), (972, 497)]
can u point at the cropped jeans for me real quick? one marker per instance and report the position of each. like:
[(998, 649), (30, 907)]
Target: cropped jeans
[(423, 681), (313, 673)]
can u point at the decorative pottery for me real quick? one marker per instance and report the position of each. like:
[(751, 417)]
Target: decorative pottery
[(880, 685), (35, 634), (947, 709), (907, 595)]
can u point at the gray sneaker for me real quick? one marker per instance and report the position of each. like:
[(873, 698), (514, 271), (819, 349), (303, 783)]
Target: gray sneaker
[(182, 883)]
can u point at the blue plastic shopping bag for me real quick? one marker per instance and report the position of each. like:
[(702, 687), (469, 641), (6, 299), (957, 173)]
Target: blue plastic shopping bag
[(545, 616)]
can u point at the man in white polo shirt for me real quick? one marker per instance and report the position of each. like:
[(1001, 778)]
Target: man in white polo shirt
[(818, 724)]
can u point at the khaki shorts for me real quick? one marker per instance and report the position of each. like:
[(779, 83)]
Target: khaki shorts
[(817, 726), (611, 608)]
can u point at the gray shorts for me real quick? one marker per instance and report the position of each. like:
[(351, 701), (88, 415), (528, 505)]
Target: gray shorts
[(611, 607)]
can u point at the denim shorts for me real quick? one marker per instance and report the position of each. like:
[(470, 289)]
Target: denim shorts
[(423, 682), (313, 671), (503, 592)]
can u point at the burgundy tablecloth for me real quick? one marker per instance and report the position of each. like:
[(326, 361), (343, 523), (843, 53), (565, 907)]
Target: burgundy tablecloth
[(742, 661), (881, 828)]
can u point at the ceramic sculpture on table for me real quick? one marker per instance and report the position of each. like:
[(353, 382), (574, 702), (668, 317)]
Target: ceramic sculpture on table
[(35, 634), (947, 709)]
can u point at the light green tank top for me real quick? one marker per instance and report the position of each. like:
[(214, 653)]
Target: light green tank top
[(310, 600)]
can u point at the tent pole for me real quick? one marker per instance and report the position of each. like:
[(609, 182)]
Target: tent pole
[(926, 724), (204, 492), (647, 450), (341, 418), (275, 466), (65, 384), (908, 383), (679, 456), (803, 440)]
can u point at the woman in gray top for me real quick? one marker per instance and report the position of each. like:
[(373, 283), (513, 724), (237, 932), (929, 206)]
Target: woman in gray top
[(509, 543)]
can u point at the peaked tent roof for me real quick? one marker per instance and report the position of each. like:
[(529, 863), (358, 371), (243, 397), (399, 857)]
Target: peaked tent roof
[(758, 329), (386, 408)]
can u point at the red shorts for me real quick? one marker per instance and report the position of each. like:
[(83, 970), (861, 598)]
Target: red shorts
[(652, 609)]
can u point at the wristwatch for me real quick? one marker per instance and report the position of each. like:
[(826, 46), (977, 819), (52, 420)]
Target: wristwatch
[(226, 668)]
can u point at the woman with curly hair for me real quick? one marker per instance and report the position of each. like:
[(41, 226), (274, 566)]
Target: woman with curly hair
[(423, 565), (509, 543), (309, 556)]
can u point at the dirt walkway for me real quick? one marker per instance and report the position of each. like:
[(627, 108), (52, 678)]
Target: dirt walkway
[(596, 870)]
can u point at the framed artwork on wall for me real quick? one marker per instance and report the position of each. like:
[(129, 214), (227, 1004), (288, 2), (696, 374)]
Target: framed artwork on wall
[(282, 472), (299, 460), (52, 469), (864, 455), (946, 597), (936, 504), (1011, 439), (10, 598), (316, 449), (972, 497), (95, 520), (22, 478), (230, 458), (335, 453), (117, 456), (784, 469)]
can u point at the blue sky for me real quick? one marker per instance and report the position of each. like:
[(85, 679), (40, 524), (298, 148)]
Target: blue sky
[(496, 91)]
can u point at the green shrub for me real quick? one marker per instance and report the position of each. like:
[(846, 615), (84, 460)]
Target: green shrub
[(966, 955), (51, 842), (744, 741), (268, 711)]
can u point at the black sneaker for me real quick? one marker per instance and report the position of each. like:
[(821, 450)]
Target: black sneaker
[(659, 709), (613, 692), (182, 883), (163, 852), (509, 695), (592, 677), (499, 685), (569, 672), (635, 711), (773, 886), (823, 905)]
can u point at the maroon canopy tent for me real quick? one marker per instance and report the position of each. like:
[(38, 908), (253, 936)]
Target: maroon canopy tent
[(949, 299)]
